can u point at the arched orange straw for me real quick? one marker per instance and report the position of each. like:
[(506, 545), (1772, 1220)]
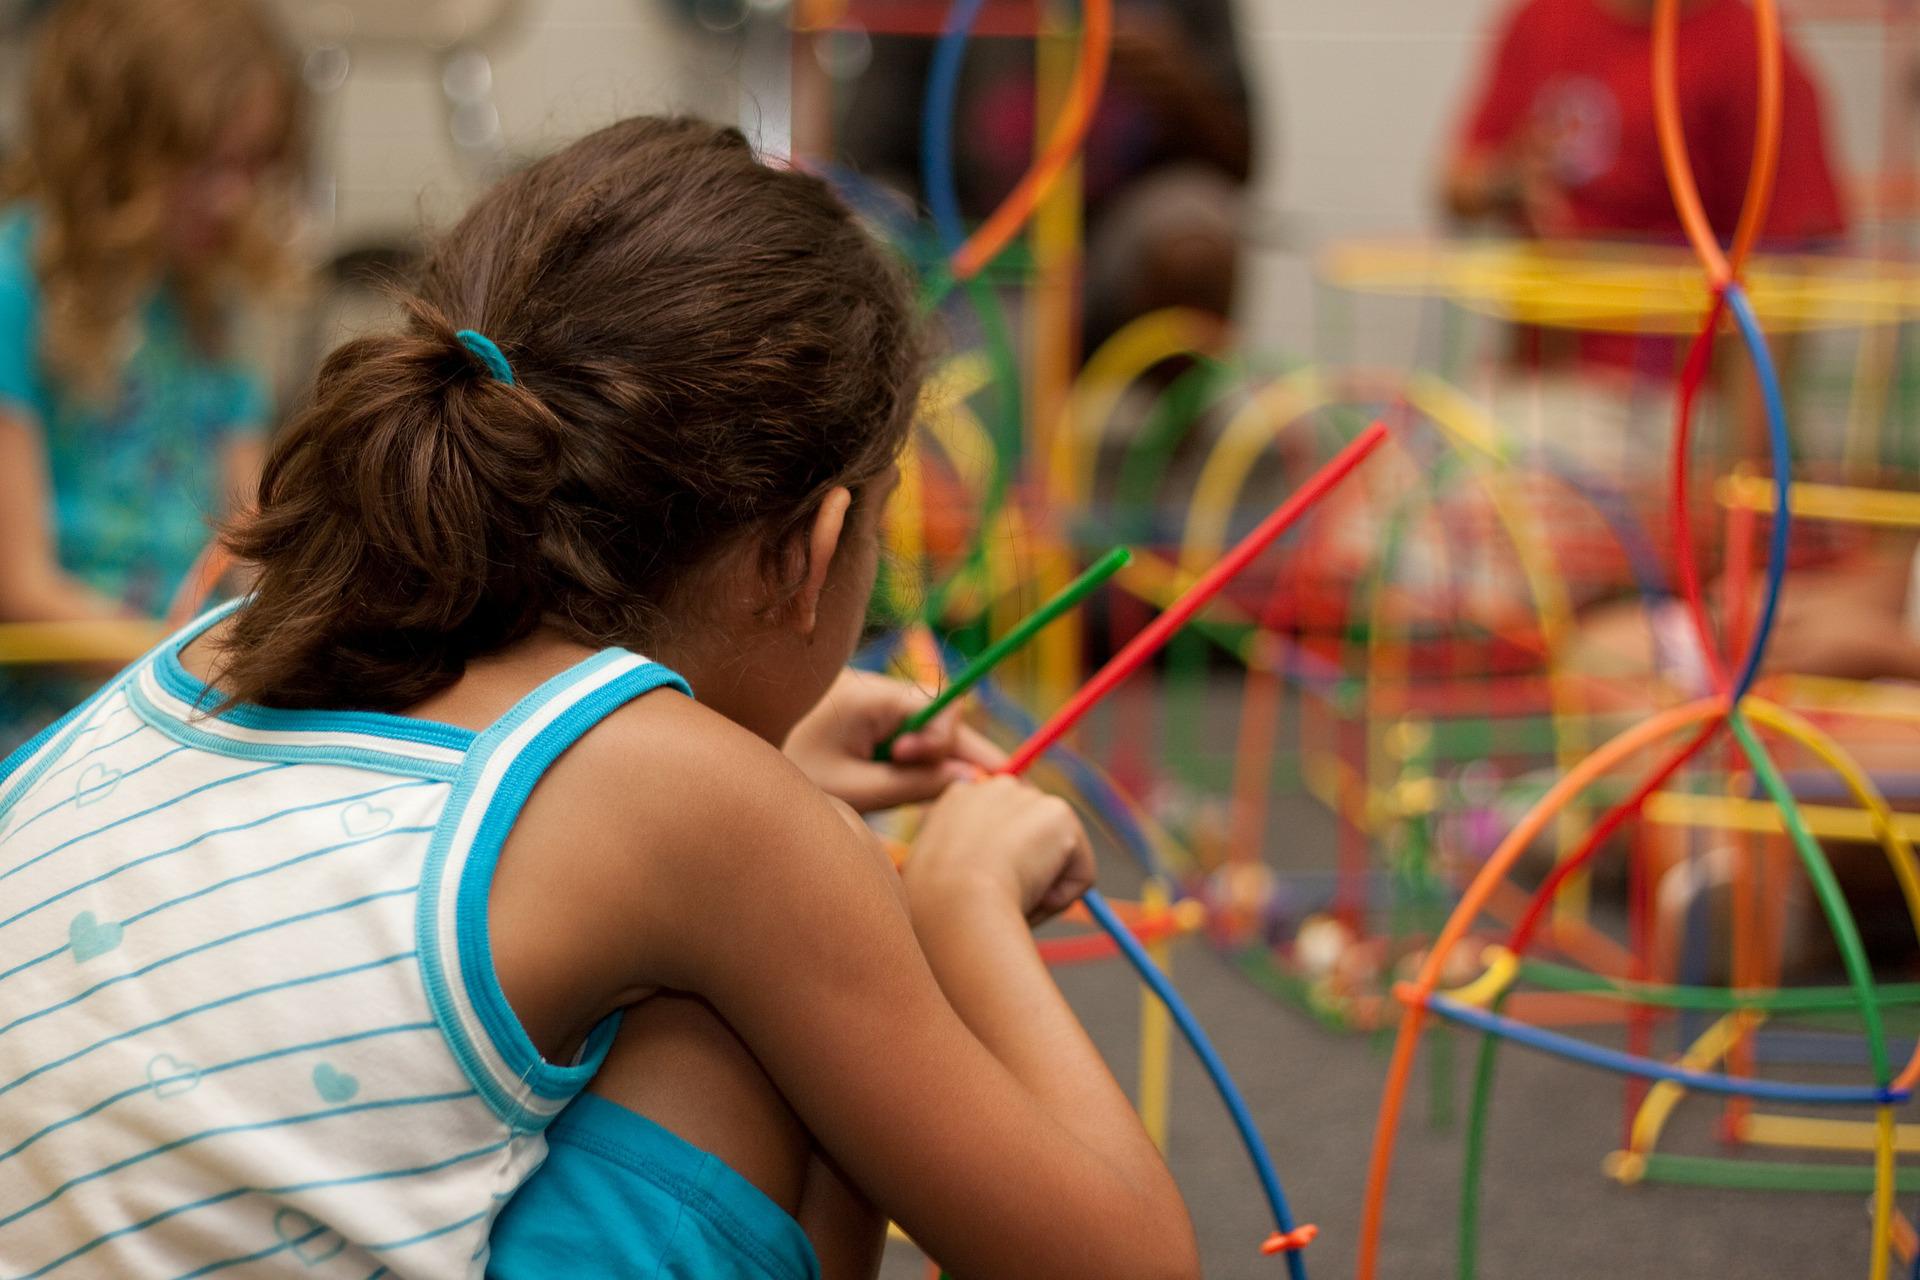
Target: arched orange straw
[(1673, 142), (1766, 138), (1069, 131)]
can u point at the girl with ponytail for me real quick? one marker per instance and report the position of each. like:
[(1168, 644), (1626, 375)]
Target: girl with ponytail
[(404, 920)]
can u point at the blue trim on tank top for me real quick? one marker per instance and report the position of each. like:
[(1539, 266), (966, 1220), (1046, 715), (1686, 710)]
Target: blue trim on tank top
[(196, 693), (470, 910), (71, 721), (25, 751), (481, 984), (395, 762)]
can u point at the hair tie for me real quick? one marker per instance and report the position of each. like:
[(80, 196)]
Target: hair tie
[(483, 346)]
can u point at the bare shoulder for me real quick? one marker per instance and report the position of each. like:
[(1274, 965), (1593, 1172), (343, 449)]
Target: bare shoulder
[(668, 765), (653, 832)]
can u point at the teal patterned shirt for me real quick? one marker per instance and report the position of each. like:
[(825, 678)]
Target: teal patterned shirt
[(135, 476)]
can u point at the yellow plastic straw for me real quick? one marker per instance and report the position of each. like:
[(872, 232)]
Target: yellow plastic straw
[(1847, 503), (1822, 1134)]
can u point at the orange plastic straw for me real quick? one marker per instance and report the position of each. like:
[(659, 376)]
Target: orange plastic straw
[(1069, 131), (1766, 137), (1673, 146), (1673, 142)]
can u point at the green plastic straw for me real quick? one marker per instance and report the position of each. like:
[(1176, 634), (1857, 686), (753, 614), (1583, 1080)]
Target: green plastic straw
[(1776, 1000), (1826, 888), (1756, 1175), (990, 657), (1468, 1244)]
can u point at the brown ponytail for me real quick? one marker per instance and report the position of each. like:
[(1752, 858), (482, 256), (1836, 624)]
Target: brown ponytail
[(702, 345)]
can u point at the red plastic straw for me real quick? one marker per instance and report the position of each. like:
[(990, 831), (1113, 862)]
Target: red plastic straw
[(1162, 628), (1522, 936), (1686, 567)]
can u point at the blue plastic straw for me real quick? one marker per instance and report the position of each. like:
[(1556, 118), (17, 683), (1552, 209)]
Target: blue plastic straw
[(936, 124), (1216, 1070), (1594, 1055), (1776, 407)]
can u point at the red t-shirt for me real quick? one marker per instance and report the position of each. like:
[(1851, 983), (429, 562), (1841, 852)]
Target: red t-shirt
[(1584, 75)]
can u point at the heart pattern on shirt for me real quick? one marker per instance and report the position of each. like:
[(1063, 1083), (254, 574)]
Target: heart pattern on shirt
[(96, 782), (90, 937), (333, 1084), (169, 1077), (310, 1239), (363, 819)]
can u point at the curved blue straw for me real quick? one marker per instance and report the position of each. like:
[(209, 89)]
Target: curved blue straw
[(1594, 1055), (1782, 447), (937, 120), (1216, 1069)]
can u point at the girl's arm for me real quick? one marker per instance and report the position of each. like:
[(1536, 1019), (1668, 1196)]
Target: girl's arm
[(849, 1235), (952, 1085), (33, 587)]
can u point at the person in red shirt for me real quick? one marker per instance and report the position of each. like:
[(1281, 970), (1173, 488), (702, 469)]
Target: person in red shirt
[(1561, 141)]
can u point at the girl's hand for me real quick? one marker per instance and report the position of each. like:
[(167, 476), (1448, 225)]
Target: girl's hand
[(1003, 837), (834, 745)]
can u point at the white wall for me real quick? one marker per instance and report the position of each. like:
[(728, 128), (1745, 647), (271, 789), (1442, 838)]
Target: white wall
[(560, 68)]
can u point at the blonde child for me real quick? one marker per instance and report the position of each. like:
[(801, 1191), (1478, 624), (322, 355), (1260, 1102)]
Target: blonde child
[(149, 204)]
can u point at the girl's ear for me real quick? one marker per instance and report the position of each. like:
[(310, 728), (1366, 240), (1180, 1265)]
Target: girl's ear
[(823, 541)]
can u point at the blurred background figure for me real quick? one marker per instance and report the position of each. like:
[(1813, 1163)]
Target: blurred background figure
[(1559, 140), (1166, 162), (149, 209)]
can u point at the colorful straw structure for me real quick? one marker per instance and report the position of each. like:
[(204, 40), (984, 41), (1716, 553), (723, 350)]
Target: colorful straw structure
[(1734, 709)]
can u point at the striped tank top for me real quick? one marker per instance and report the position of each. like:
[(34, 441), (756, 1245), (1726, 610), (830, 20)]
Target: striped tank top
[(249, 1021)]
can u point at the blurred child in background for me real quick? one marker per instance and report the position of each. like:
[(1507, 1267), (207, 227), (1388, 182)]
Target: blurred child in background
[(148, 207)]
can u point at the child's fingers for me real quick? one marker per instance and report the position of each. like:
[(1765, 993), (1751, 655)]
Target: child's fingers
[(932, 741), (913, 748), (977, 750), (1063, 893), (885, 786), (885, 703), (948, 737)]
